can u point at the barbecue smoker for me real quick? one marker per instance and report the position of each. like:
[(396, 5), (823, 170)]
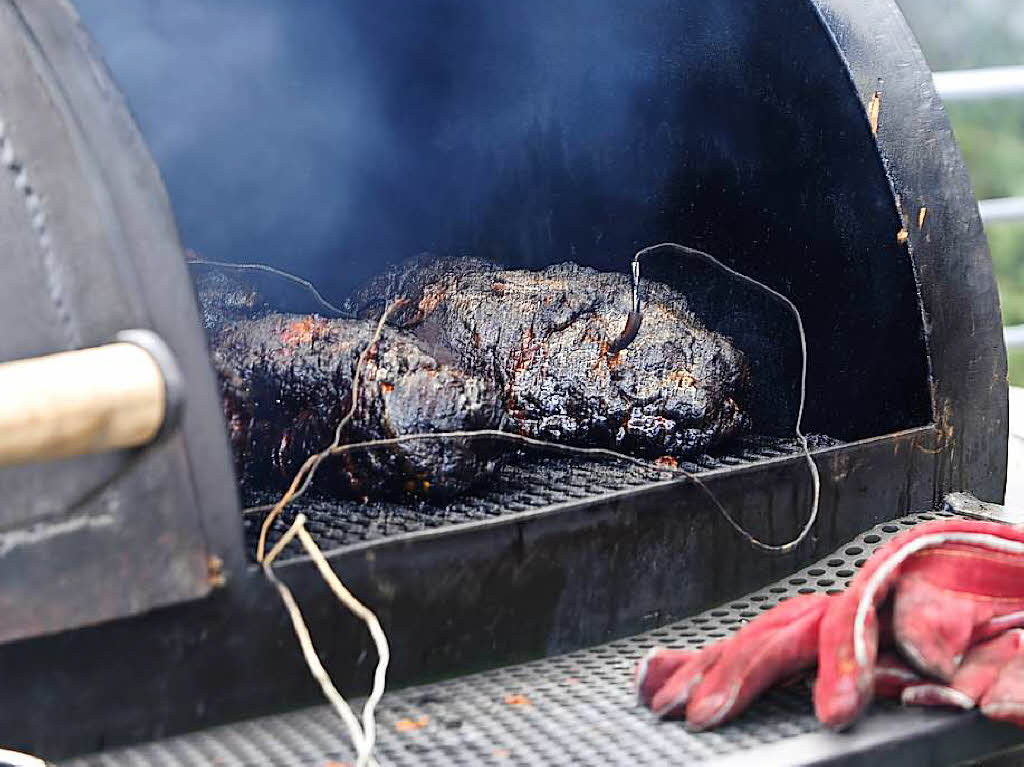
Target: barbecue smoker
[(800, 142)]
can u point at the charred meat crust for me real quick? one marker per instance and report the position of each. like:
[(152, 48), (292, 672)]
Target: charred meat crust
[(286, 381), (547, 340)]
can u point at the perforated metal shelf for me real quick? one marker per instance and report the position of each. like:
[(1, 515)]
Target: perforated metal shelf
[(528, 481), (579, 708)]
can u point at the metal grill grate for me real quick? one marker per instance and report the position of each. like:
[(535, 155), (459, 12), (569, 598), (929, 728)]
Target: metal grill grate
[(527, 482), (571, 709)]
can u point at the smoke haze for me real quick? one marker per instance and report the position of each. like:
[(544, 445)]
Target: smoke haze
[(325, 137)]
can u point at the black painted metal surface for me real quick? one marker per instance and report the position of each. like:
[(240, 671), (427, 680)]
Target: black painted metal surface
[(949, 252), (529, 481), (778, 131), (533, 133), (579, 708), (89, 249), (467, 596)]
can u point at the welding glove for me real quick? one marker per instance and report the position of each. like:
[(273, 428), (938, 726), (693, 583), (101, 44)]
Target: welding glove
[(892, 676), (715, 683), (991, 676), (953, 583)]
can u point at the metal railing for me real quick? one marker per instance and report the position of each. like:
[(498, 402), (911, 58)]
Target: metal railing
[(1003, 209), (974, 85)]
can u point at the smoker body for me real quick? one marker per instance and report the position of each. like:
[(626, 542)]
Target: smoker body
[(739, 128)]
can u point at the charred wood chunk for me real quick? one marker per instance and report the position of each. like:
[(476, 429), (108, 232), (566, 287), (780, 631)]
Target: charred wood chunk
[(547, 340), (287, 383)]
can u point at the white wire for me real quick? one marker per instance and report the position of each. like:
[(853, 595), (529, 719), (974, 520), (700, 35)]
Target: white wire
[(335, 449), (255, 267), (376, 632), (312, 463), (813, 468), (364, 736)]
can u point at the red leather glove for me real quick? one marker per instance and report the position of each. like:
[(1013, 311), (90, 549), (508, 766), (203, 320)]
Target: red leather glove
[(717, 682), (956, 582), (991, 676), (953, 584), (892, 676)]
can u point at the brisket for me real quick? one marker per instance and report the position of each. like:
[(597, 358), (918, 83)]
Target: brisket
[(286, 381), (545, 339)]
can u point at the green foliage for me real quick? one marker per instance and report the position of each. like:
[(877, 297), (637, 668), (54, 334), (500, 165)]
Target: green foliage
[(1015, 366), (991, 137), (963, 34), (1006, 242)]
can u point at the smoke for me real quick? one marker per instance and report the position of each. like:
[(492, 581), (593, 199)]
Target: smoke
[(328, 137), (241, 109), (333, 137)]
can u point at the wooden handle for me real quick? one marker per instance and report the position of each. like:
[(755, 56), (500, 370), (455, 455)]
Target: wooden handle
[(80, 402)]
